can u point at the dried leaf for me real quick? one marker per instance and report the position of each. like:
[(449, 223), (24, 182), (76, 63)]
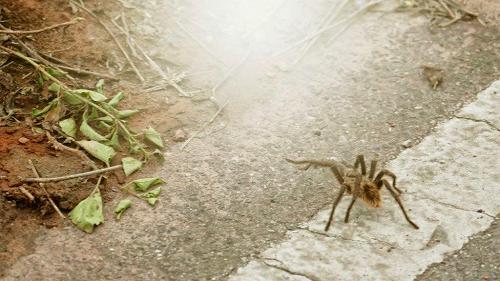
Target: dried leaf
[(88, 213), (98, 150)]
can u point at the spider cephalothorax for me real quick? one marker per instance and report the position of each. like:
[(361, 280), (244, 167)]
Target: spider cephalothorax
[(359, 185)]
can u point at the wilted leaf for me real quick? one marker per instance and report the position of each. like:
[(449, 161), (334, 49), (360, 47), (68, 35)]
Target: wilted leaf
[(106, 119), (89, 132), (95, 96), (71, 98), (121, 207), (98, 150), (159, 155), (99, 86), (114, 141), (130, 165), (154, 137), (54, 87), (38, 112), (152, 196), (142, 185), (126, 113), (68, 126), (88, 213), (55, 73), (116, 99)]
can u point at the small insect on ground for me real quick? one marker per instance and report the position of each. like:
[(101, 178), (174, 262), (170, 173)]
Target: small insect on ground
[(359, 185)]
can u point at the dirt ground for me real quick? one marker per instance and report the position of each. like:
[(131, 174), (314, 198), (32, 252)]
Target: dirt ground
[(85, 46), (227, 198)]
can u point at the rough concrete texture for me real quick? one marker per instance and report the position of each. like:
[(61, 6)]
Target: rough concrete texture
[(230, 194), (450, 181)]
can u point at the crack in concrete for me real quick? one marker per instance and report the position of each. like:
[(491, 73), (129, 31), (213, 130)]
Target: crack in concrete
[(454, 206), (287, 270), (487, 122), (380, 241)]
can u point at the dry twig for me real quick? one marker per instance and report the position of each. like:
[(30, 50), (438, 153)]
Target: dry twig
[(59, 146), (35, 172), (68, 177), (113, 36)]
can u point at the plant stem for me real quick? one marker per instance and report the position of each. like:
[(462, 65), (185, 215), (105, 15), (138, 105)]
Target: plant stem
[(66, 88)]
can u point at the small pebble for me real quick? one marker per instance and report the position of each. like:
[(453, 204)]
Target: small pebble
[(317, 133), (406, 144), (180, 135), (23, 140)]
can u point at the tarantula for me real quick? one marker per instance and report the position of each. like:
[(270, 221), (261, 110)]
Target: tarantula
[(359, 185)]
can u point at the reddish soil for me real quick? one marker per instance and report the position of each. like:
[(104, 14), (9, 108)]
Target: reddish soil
[(84, 45)]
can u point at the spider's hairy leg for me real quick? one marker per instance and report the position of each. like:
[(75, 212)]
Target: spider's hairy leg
[(396, 197), (357, 189), (385, 172), (373, 168), (335, 203), (360, 159)]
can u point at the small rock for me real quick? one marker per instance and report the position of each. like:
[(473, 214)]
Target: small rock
[(23, 140), (180, 135), (406, 144), (317, 133)]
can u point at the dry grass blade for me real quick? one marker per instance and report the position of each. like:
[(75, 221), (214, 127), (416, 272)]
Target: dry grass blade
[(113, 36), (22, 32)]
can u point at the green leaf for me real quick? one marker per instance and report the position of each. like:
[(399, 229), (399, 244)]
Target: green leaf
[(142, 185), (38, 112), (114, 141), (98, 150), (130, 165), (159, 155), (121, 207), (89, 132), (126, 113), (99, 86), (154, 137), (71, 99), (152, 196), (88, 213), (95, 96), (68, 126), (116, 99), (54, 87), (55, 73), (106, 119)]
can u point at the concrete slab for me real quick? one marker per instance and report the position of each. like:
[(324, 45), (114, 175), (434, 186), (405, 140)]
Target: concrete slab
[(450, 182)]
